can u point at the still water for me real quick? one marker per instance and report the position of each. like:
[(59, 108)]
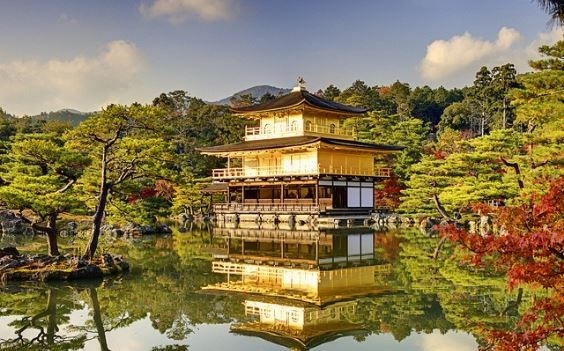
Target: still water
[(262, 290)]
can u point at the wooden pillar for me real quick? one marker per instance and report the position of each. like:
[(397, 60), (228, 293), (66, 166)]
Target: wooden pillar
[(281, 193), (360, 244), (358, 171), (317, 193)]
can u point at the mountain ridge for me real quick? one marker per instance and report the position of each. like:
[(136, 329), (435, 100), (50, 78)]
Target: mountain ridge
[(74, 117), (256, 92)]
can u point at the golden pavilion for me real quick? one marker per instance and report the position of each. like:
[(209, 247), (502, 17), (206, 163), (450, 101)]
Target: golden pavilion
[(299, 159)]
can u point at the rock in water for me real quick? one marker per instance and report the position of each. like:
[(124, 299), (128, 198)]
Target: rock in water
[(9, 251)]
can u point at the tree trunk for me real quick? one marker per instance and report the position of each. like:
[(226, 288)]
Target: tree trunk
[(52, 233), (504, 113), (50, 230), (100, 208), (97, 222)]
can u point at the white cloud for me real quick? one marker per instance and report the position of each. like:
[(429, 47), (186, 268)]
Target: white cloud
[(547, 38), (30, 86), (449, 341), (178, 11), (445, 57)]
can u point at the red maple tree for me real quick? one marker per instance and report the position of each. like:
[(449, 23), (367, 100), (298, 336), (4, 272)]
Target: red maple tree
[(530, 248)]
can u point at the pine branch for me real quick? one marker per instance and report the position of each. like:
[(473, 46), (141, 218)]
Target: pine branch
[(517, 170)]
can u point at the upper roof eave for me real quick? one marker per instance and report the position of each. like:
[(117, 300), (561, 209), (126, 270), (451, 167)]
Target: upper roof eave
[(279, 143), (295, 99)]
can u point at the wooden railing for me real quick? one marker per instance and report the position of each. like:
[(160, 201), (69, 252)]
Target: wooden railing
[(266, 208), (252, 172), (256, 133)]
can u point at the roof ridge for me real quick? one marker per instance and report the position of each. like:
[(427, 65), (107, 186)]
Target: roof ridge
[(296, 98)]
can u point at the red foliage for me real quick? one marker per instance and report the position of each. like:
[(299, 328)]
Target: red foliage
[(389, 195), (467, 134), (165, 189), (530, 248), (142, 194), (439, 155), (147, 192), (384, 91)]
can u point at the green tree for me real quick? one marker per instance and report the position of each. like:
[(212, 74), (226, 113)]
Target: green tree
[(393, 129), (358, 94), (400, 92), (38, 178), (7, 127), (331, 93), (473, 173), (458, 116), (266, 98), (539, 97), (127, 148), (242, 100), (481, 99), (194, 124), (504, 79)]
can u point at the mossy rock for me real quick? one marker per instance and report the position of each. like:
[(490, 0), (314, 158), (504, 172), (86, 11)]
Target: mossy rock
[(70, 268)]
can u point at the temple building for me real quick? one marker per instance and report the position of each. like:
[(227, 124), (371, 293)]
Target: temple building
[(299, 158)]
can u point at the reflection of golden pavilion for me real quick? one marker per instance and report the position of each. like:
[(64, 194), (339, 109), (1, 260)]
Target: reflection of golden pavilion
[(299, 285), (298, 326), (299, 158), (319, 267), (305, 248)]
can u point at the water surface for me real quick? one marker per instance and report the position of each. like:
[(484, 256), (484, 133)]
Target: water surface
[(413, 302)]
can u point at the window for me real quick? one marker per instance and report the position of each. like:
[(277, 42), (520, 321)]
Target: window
[(308, 126), (294, 316), (324, 192), (267, 129), (294, 126), (332, 128)]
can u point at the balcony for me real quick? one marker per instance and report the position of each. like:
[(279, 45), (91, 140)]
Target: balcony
[(270, 172), (258, 133)]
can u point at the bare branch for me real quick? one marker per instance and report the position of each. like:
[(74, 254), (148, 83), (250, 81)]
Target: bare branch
[(67, 186), (537, 165), (439, 247), (517, 170), (441, 209), (126, 173)]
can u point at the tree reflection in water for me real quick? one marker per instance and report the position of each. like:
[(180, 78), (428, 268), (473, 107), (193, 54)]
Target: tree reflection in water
[(163, 292)]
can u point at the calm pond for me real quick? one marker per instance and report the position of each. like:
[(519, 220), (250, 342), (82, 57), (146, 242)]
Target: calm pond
[(347, 289)]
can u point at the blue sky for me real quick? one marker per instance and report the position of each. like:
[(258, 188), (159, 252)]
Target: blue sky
[(85, 54)]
